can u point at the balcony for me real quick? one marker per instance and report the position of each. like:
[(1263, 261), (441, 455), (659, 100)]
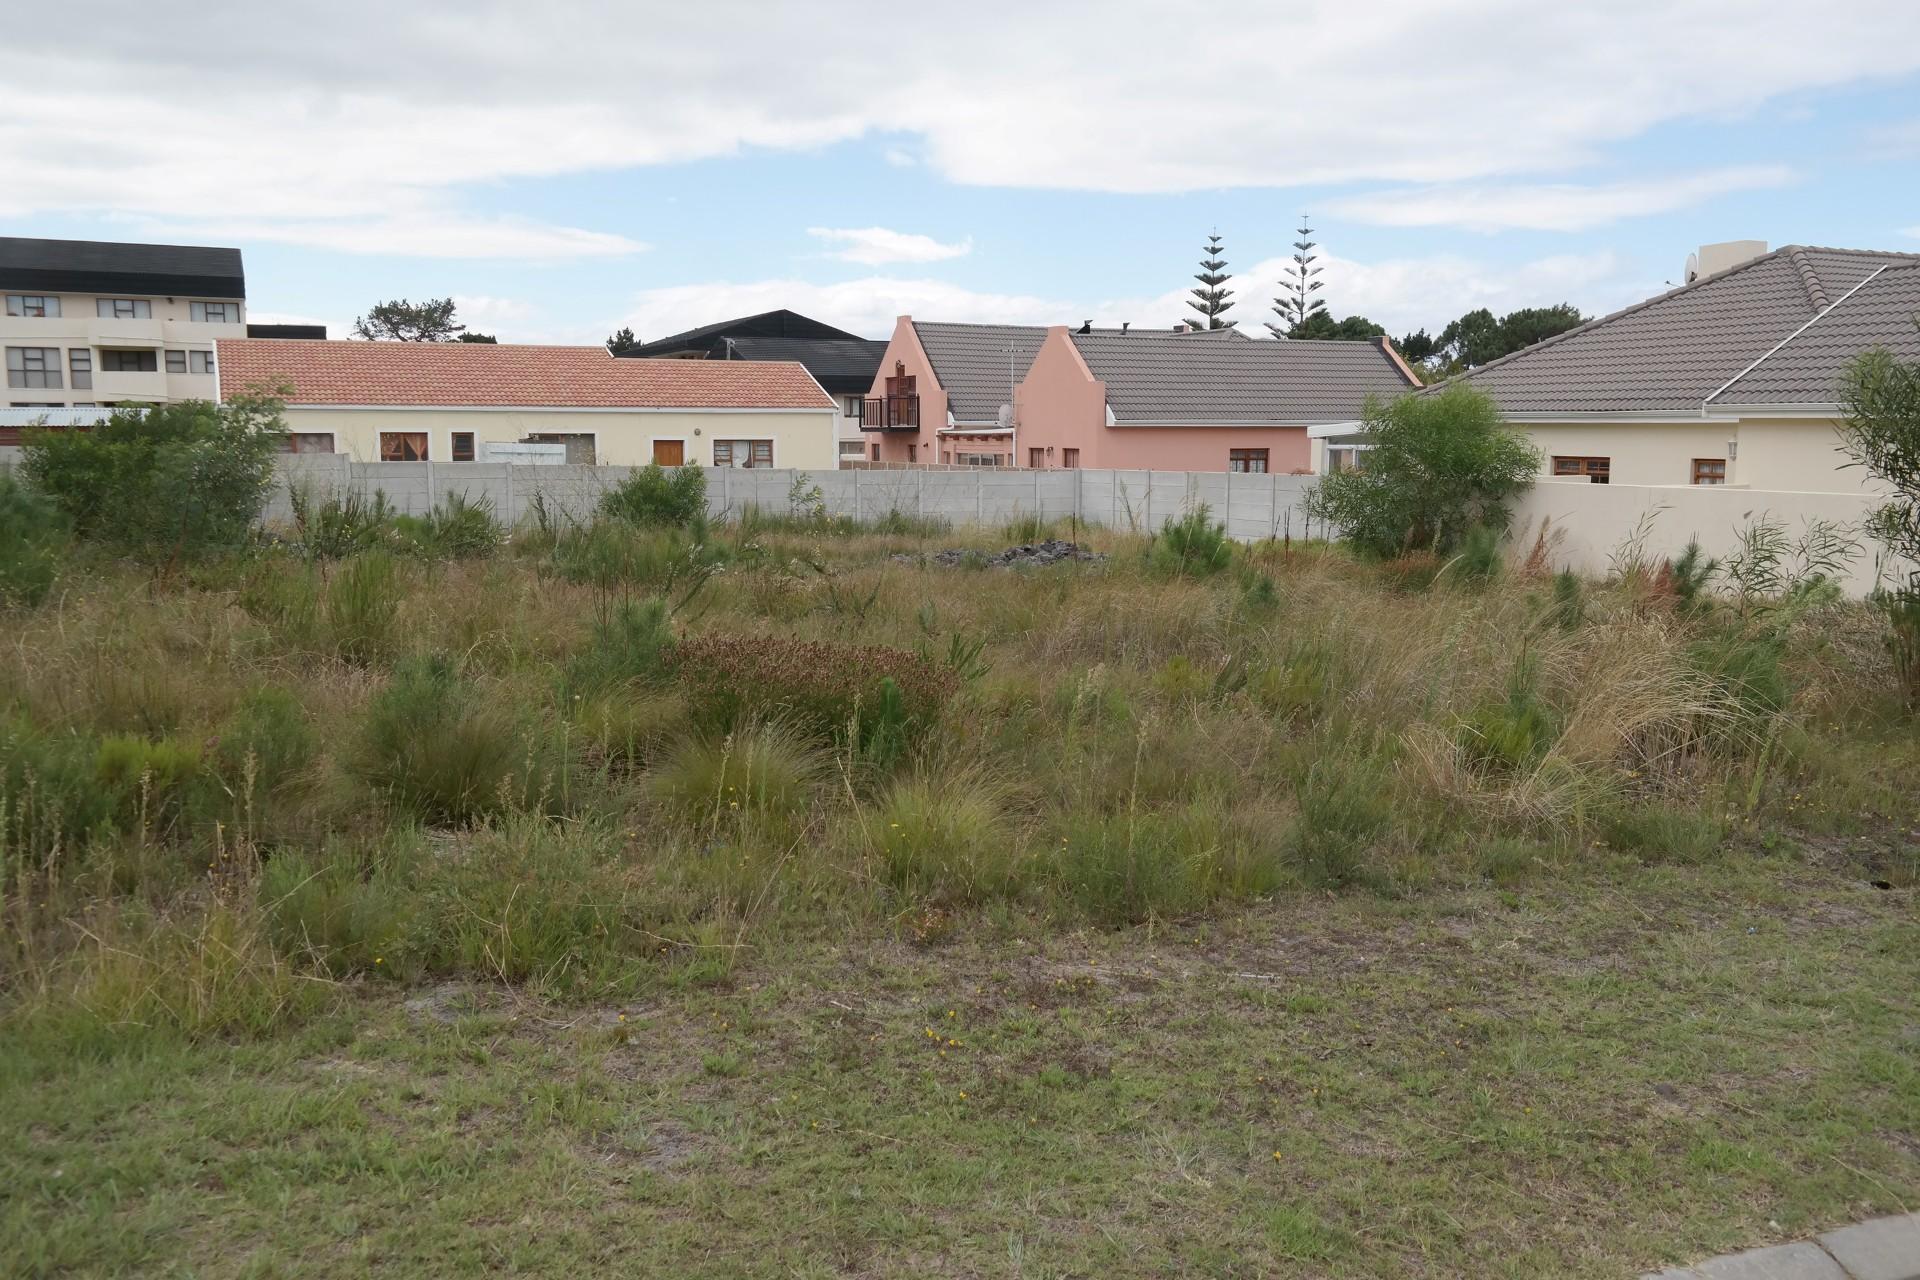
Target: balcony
[(117, 384), (890, 413)]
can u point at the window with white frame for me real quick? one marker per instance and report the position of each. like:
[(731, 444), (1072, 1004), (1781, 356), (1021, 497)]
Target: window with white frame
[(37, 306), (124, 308), (214, 312), (980, 459), (80, 365), (176, 362), (33, 367), (200, 361)]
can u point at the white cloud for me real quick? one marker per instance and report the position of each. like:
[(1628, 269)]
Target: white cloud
[(1552, 207), (1401, 294), (878, 246), (419, 234), (401, 111)]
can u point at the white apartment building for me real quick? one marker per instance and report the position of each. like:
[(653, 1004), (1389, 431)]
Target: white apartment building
[(97, 324)]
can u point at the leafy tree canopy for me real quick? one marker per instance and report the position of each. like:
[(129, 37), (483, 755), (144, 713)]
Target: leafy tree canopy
[(1437, 466), (1320, 325), (1478, 337), (404, 321), (622, 342), (479, 337), (1881, 430), (165, 482)]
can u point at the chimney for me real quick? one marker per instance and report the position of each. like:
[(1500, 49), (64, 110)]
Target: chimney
[(1712, 259)]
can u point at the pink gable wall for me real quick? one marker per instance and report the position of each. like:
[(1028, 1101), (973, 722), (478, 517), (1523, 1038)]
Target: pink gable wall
[(904, 349), (1061, 405)]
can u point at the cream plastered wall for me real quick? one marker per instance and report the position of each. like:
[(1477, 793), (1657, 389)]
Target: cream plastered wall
[(1803, 455), (1653, 453), (801, 438), (79, 326)]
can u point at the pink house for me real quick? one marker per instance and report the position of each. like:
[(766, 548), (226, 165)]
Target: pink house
[(941, 389), (1217, 401)]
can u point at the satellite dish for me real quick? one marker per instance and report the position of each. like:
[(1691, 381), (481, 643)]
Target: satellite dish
[(1006, 415), (1693, 267)]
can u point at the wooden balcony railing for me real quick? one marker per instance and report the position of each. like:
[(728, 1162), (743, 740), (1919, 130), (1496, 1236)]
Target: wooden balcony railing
[(890, 413)]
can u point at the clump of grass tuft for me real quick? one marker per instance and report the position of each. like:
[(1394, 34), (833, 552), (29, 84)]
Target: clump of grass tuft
[(362, 606), (1655, 832), (628, 645), (442, 750), (944, 840), (760, 770), (1346, 813)]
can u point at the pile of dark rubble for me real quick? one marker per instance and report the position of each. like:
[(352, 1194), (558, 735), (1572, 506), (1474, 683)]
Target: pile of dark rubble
[(1052, 551)]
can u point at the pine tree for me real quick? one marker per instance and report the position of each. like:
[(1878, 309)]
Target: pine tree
[(1211, 300), (1298, 305)]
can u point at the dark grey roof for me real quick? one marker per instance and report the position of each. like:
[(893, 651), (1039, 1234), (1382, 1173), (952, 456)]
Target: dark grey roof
[(767, 324), (310, 332), (971, 362), (839, 365), (1673, 351), (1163, 377), (1882, 312), (105, 266)]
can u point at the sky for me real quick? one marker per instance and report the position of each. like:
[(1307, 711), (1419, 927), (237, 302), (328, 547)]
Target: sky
[(568, 167)]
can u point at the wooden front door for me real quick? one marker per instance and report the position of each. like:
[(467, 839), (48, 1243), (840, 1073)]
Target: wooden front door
[(669, 453)]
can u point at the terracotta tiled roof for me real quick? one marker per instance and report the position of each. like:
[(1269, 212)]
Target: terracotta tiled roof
[(461, 374)]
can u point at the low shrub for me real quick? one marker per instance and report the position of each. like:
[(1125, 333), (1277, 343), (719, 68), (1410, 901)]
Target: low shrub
[(833, 690), (655, 495), (1126, 867), (1194, 545), (1903, 642), (1346, 811), (629, 727), (629, 645), (51, 797), (154, 782), (362, 605), (944, 841), (457, 528), (340, 524), (1478, 560), (440, 749), (1659, 833), (610, 555), (265, 741), (1514, 734), (34, 539), (762, 770), (338, 914)]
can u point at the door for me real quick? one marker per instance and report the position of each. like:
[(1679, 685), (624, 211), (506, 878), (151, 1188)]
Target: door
[(669, 453)]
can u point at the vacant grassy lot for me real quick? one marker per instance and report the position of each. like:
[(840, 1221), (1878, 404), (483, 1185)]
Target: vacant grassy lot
[(774, 900)]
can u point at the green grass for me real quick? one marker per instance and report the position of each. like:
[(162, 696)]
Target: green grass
[(1578, 1080), (761, 899)]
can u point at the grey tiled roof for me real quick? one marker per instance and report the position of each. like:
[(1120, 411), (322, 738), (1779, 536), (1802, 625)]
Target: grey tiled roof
[(1673, 351), (1160, 377), (1883, 312), (971, 362)]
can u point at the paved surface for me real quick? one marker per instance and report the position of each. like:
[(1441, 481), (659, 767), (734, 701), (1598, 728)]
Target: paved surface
[(1884, 1249)]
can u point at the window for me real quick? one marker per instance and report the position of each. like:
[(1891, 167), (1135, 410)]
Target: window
[(80, 364), (1596, 470), (129, 362), (33, 366), (980, 459), (876, 453), (1343, 457), (200, 361), (1036, 458), (38, 306), (124, 308), (1070, 458), (307, 442), (743, 453), (214, 312), (913, 452), (853, 449), (463, 446), (35, 404), (403, 446), (1247, 460), (176, 362), (852, 405), (1709, 470)]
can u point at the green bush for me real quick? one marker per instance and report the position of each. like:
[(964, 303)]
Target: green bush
[(163, 483), (1440, 463), (33, 543), (655, 495), (1125, 868), (1346, 810), (154, 782), (362, 605), (338, 915), (266, 741), (609, 555), (1514, 734), (51, 797), (440, 749), (458, 528), (1194, 545), (628, 644), (340, 524)]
